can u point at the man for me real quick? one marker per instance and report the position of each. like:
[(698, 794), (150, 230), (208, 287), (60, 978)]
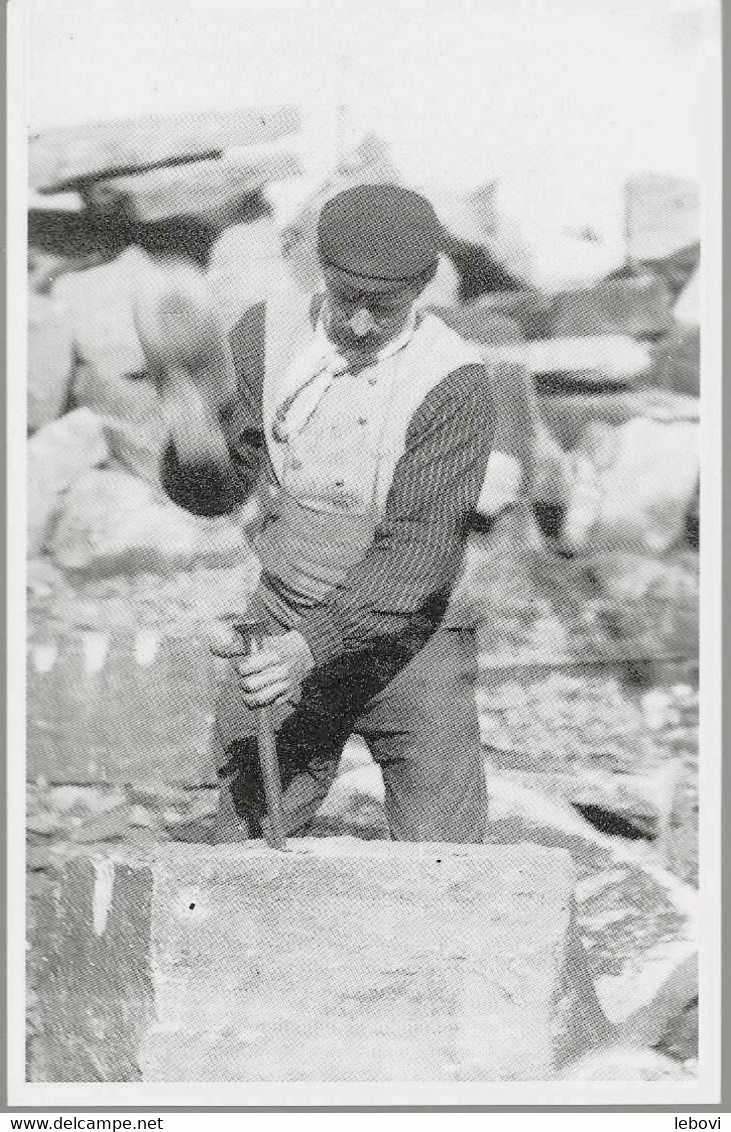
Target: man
[(372, 437)]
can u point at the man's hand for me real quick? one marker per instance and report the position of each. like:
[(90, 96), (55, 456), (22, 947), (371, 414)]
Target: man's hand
[(272, 675)]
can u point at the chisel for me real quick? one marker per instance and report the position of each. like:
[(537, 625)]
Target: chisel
[(251, 631)]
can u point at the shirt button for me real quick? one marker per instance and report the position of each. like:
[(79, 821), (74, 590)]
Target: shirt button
[(372, 380), (362, 420), (340, 483)]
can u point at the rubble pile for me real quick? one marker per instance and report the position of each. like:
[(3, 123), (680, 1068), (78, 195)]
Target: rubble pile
[(106, 546)]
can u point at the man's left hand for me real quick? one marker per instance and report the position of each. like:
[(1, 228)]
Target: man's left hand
[(275, 673)]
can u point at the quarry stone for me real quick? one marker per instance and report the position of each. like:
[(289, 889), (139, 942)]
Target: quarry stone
[(50, 361), (337, 960), (61, 159), (205, 189), (639, 307), (119, 706), (662, 215), (57, 455), (112, 521)]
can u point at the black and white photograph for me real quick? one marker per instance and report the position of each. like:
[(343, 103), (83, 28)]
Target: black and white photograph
[(364, 664)]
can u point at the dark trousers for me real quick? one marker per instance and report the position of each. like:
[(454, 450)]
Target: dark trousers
[(422, 730)]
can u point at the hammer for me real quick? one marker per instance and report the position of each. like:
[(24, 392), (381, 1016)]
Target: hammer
[(251, 630)]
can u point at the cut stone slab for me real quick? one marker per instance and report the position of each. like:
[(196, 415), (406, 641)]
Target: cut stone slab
[(201, 188), (567, 415), (606, 357), (120, 706), (638, 307), (530, 309), (61, 159), (482, 323), (113, 522), (677, 360), (637, 922), (57, 455), (646, 489), (335, 961)]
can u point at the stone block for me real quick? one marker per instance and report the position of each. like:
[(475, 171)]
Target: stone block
[(61, 159), (120, 706), (339, 960), (677, 361), (568, 414), (481, 323), (646, 488), (531, 309), (207, 189), (687, 306), (590, 358), (639, 307), (56, 456), (662, 215), (50, 361), (638, 922), (113, 522)]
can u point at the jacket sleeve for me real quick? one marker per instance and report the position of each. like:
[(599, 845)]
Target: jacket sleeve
[(211, 489), (399, 591)]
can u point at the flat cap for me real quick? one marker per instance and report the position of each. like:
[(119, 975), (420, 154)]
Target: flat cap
[(380, 234)]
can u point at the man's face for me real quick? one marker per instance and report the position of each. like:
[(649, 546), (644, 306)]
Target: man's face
[(362, 320)]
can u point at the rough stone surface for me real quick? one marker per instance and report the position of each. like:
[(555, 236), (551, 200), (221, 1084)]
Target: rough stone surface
[(112, 521), (687, 307), (637, 920), (677, 361), (335, 961), (119, 707), (57, 455), (59, 159), (568, 414), (204, 189), (530, 309), (639, 307), (481, 323), (638, 923), (579, 721), (646, 484), (50, 361), (532, 608), (591, 358), (145, 639), (95, 933), (663, 215)]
